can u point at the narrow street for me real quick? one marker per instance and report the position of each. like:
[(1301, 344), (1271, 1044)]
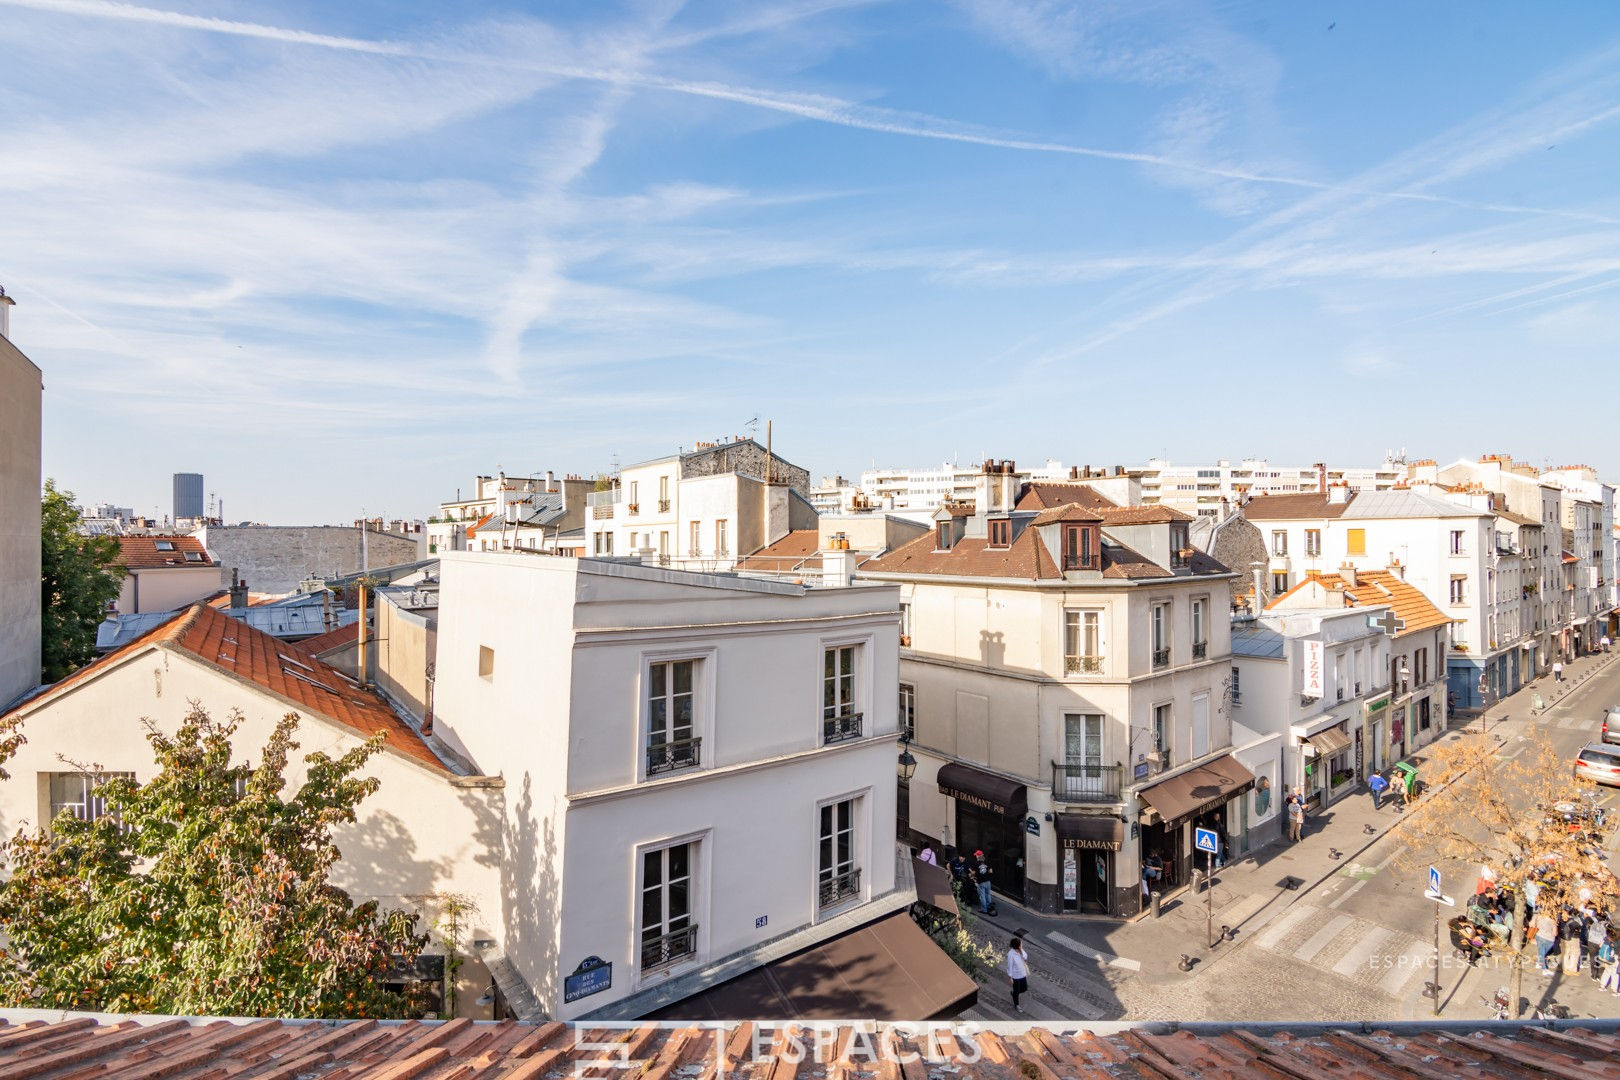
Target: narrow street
[(1356, 942)]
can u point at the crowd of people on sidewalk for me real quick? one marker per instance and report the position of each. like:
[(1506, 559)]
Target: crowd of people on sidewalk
[(1581, 936)]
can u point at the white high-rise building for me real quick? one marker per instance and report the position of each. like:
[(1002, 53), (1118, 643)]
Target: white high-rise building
[(1202, 489)]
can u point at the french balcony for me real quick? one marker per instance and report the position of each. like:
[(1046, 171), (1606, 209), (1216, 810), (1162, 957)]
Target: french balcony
[(1161, 658), (634, 508), (1085, 783), (1237, 699), (670, 948), (836, 729), (1082, 665), (839, 887), (663, 506), (675, 754), (1200, 649)]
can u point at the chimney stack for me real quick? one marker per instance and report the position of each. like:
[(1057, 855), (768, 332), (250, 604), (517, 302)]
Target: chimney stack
[(6, 304), (1259, 589), (1347, 574), (1321, 476), (1338, 494), (239, 591)]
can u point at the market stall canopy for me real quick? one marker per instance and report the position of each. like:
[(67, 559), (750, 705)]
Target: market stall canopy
[(1329, 742)]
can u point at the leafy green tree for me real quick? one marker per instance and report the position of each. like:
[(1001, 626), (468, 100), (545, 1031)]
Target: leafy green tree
[(78, 576), (203, 891)]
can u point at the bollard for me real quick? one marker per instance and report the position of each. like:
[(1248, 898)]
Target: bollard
[(1154, 899)]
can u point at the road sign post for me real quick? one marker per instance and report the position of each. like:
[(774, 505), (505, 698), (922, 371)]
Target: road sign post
[(1206, 841), (1439, 898)]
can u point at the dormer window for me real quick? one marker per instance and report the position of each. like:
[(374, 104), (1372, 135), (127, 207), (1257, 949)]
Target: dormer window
[(165, 545), (942, 536), (1000, 533), (1079, 547), (1180, 549)]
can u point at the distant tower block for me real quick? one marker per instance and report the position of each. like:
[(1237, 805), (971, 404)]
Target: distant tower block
[(188, 495)]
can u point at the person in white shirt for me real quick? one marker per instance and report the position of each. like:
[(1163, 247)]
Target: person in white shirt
[(927, 855), (1017, 970)]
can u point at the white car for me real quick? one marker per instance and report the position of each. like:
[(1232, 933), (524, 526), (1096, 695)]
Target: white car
[(1599, 763), (1611, 726)]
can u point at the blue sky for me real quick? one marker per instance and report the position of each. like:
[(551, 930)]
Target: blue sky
[(344, 256)]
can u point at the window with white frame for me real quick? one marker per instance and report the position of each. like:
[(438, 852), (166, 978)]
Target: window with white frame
[(1200, 644), (1456, 547), (78, 793), (1161, 733), (668, 927), (1161, 634), (1459, 590), (1279, 582), (1279, 541), (672, 742), (908, 710), (1082, 642), (720, 537), (694, 546), (905, 623), (838, 878), (1083, 739), (839, 718), (1313, 542)]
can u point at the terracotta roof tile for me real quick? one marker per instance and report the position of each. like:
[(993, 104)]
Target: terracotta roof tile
[(1141, 515), (1306, 504), (793, 551), (1039, 495), (332, 639), (1026, 560), (258, 1050), (235, 647), (1375, 587), (1067, 512), (143, 553)]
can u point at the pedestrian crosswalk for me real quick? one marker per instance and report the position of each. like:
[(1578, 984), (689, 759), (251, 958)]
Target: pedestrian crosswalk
[(1372, 956)]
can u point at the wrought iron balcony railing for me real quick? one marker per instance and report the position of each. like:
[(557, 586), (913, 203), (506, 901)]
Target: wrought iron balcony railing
[(839, 886), (1200, 649), (674, 754), (1083, 782), (1082, 665), (670, 948), (840, 728), (1161, 657)]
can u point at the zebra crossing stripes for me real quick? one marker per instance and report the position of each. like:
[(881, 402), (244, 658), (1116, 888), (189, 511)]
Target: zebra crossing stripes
[(1281, 926), (1365, 952), (1370, 955), (1323, 937)]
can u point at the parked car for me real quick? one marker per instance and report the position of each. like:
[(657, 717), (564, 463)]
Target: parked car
[(1611, 726), (1599, 763)]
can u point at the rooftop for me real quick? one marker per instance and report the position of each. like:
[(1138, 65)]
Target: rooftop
[(1376, 588), (158, 552), (54, 1045)]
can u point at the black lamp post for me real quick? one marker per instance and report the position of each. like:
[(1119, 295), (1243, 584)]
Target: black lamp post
[(908, 764)]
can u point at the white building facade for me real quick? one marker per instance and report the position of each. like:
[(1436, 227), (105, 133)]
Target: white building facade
[(21, 389), (1201, 489), (700, 769)]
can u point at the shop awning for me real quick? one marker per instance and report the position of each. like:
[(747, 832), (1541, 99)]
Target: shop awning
[(1090, 831), (985, 790), (1329, 742), (934, 886), (1187, 794), (886, 970)]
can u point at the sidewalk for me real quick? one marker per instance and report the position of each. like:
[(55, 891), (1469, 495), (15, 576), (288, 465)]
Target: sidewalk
[(1251, 891)]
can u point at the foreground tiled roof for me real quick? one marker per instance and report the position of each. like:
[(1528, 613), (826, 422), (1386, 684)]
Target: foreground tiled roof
[(1380, 587), (141, 552), (178, 1049), (239, 650)]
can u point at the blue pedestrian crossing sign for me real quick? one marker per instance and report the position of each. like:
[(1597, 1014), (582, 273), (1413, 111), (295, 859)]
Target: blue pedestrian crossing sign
[(1434, 880), (1204, 840)]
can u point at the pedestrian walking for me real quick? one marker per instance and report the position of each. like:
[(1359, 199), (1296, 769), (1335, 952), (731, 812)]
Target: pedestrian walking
[(1376, 784), (1558, 670), (1296, 815), (1597, 936), (1604, 641), (983, 875), (1546, 937), (1017, 970), (1609, 960), (927, 855)]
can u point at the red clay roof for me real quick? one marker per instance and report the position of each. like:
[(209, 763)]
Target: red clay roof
[(1379, 587), (332, 639), (1141, 515), (479, 524), (236, 648), (792, 552), (1067, 512), (141, 552), (1041, 496), (457, 1049), (1026, 560), (1306, 504)]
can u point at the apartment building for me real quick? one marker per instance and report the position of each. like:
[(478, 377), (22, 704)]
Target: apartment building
[(1399, 681), (1064, 682), (21, 389), (700, 774), (1202, 490), (507, 513), (931, 488), (1445, 549), (1586, 508), (702, 509), (165, 573)]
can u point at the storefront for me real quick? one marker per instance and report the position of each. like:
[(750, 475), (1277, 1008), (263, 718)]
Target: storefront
[(1327, 765), (1378, 728), (1086, 847), (1174, 805), (990, 813)]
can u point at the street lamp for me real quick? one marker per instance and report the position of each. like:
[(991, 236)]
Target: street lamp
[(908, 764)]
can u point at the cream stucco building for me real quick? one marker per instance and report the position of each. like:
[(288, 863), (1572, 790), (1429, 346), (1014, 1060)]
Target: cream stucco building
[(21, 389), (1066, 679)]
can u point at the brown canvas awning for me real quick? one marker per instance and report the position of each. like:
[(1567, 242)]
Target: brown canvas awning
[(934, 886), (985, 790), (886, 970), (1186, 794), (1329, 742), (1090, 831)]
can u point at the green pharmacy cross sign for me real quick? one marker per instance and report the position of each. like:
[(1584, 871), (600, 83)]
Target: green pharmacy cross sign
[(1389, 622)]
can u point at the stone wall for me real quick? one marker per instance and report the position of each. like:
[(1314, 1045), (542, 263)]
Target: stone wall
[(275, 558), (1238, 546), (748, 458)]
